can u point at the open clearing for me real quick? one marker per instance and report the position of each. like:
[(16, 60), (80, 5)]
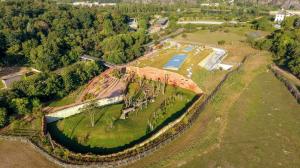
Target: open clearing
[(247, 124), (234, 35), (16, 154), (262, 129)]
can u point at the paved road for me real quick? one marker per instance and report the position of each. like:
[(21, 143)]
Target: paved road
[(206, 22)]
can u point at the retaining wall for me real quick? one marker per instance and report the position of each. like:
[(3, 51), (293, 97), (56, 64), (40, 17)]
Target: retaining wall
[(64, 113)]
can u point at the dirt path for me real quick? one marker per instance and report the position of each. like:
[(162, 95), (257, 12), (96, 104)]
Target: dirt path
[(16, 154)]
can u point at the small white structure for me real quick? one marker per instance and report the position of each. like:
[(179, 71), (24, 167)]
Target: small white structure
[(88, 58), (210, 4), (280, 16), (125, 112), (225, 67), (133, 23)]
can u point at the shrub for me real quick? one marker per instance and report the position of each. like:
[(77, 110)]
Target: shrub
[(3, 117), (221, 42)]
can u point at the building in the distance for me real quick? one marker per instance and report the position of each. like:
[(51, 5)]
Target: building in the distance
[(160, 24), (133, 23), (281, 15)]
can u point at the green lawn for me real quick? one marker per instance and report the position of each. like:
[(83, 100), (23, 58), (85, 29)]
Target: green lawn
[(1, 85), (69, 99), (110, 132)]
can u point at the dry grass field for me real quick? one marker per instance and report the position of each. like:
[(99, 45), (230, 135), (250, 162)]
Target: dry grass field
[(16, 155), (247, 124)]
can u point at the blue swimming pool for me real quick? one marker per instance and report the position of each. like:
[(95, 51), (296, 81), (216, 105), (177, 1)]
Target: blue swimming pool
[(175, 62), (188, 49)]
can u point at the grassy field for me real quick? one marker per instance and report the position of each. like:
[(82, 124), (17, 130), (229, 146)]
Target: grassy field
[(69, 99), (1, 85), (110, 132), (234, 35), (262, 129), (248, 124), (290, 77)]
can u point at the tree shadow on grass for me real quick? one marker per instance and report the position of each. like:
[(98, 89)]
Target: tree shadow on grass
[(100, 117), (73, 130), (73, 145)]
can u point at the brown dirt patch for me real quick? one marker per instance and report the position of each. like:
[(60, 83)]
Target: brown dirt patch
[(16, 154), (11, 70)]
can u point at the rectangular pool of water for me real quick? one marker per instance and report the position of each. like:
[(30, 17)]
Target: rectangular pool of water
[(175, 62), (188, 49)]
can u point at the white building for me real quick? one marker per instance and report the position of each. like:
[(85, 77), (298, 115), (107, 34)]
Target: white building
[(280, 16), (210, 4), (133, 23)]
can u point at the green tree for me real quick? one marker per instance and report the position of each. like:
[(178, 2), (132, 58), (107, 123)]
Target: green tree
[(21, 105), (262, 24), (3, 117), (2, 48), (107, 27), (288, 22), (91, 108)]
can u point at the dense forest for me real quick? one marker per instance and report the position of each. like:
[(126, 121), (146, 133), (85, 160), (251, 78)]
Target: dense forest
[(49, 36)]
